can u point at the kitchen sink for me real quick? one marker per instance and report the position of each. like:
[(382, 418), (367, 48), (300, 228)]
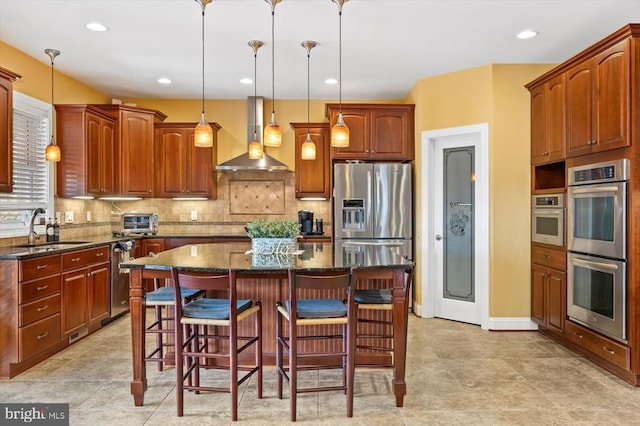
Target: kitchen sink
[(51, 245)]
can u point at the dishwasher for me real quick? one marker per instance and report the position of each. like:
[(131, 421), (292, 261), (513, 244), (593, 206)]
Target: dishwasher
[(121, 251)]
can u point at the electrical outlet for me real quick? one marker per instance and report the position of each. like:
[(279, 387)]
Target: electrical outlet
[(88, 216), (68, 217), (194, 214)]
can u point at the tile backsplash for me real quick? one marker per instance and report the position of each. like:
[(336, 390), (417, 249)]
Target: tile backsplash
[(242, 197)]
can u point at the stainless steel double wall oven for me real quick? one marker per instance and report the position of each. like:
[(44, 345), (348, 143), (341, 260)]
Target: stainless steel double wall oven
[(596, 240)]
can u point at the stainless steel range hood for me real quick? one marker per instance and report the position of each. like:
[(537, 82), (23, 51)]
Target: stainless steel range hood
[(255, 106)]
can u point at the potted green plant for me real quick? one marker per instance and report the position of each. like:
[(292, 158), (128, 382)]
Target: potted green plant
[(273, 236)]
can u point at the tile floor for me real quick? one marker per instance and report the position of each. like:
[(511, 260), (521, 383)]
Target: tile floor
[(457, 374)]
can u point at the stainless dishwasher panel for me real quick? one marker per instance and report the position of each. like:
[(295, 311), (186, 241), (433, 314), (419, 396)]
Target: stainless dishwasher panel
[(120, 252)]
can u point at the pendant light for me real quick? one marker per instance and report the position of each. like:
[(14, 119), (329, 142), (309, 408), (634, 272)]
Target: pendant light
[(308, 148), (255, 147), (273, 132), (52, 153), (203, 134), (340, 131)]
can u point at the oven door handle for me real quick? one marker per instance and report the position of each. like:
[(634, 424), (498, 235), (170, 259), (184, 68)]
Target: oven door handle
[(595, 190), (601, 265), (548, 212)]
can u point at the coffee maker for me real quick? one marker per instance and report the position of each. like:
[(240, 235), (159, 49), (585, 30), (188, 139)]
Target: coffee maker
[(305, 220)]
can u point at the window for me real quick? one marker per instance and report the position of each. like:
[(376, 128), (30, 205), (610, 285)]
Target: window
[(32, 175)]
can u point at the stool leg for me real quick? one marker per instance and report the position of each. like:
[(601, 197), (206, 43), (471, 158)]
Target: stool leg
[(159, 339), (293, 371), (259, 350), (279, 353)]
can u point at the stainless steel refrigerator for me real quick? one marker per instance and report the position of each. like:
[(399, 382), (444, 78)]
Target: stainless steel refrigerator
[(372, 205)]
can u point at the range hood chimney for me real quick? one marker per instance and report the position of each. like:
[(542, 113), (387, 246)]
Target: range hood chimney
[(255, 106)]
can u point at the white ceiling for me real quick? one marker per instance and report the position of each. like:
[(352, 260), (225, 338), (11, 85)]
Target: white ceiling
[(387, 44)]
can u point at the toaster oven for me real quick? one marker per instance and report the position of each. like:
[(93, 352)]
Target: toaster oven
[(138, 223)]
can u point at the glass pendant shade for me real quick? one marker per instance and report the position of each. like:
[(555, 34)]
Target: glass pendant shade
[(273, 133), (255, 150), (52, 153), (308, 149), (340, 134), (203, 135)]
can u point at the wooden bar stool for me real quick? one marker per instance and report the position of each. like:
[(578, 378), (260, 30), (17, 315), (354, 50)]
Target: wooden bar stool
[(378, 300), (209, 336), (315, 309), (162, 298)]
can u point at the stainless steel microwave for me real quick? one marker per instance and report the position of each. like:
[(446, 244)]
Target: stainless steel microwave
[(138, 223), (547, 219)]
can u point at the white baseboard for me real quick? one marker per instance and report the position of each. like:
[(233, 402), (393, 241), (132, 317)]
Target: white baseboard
[(511, 323)]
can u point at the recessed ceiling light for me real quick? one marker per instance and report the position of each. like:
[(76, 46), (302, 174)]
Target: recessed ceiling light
[(246, 80), (96, 26), (331, 81), (527, 34), (164, 80)]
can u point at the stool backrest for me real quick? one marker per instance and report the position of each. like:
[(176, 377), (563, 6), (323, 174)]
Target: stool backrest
[(207, 281), (321, 285)]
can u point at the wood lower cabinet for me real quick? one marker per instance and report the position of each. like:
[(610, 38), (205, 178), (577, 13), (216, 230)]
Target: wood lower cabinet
[(87, 139), (6, 129), (85, 290), (182, 169), (548, 288), (313, 177), (376, 131)]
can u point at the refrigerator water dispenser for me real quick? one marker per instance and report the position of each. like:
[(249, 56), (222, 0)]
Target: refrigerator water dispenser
[(353, 214)]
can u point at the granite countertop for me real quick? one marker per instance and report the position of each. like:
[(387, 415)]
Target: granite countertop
[(43, 248)]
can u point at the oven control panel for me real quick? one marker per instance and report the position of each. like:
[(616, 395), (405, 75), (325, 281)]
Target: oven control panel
[(610, 171)]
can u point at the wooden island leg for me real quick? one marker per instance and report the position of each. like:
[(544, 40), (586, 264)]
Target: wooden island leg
[(137, 313), (400, 314)]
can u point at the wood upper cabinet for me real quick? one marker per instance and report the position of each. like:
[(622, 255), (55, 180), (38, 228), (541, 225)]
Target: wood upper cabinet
[(597, 100), (376, 131), (548, 121), (313, 177), (134, 148), (6, 129), (87, 140), (183, 170)]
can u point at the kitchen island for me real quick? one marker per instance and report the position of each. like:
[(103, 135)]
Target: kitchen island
[(263, 278)]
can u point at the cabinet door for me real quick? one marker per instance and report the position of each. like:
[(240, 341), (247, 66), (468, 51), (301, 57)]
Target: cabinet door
[(200, 174), (390, 135), (358, 122), (170, 151), (94, 156), (98, 297), (556, 119), (313, 176), (611, 105), (74, 301), (108, 158), (136, 140), (579, 109), (538, 279), (6, 135), (556, 300), (539, 141)]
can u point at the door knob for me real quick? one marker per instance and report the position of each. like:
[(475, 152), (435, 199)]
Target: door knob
[(438, 237)]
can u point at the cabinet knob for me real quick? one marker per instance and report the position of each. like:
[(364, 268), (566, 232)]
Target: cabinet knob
[(545, 153)]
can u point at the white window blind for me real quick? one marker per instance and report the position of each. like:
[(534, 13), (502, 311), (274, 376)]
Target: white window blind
[(31, 172)]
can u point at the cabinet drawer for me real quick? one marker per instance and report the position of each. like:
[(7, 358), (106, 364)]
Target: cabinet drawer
[(601, 346), (34, 311), (38, 267), (82, 258), (555, 259), (39, 336), (33, 290)]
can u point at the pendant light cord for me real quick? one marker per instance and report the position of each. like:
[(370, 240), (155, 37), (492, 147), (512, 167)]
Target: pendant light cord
[(273, 61), (340, 55), (203, 60), (255, 94), (308, 84)]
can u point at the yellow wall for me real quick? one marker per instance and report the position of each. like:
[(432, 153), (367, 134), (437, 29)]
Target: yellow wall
[(36, 79), (492, 94)]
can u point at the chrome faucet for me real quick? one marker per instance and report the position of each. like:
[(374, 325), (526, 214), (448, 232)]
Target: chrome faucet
[(33, 236)]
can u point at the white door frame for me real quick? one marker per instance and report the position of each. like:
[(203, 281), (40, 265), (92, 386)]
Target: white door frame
[(481, 218)]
